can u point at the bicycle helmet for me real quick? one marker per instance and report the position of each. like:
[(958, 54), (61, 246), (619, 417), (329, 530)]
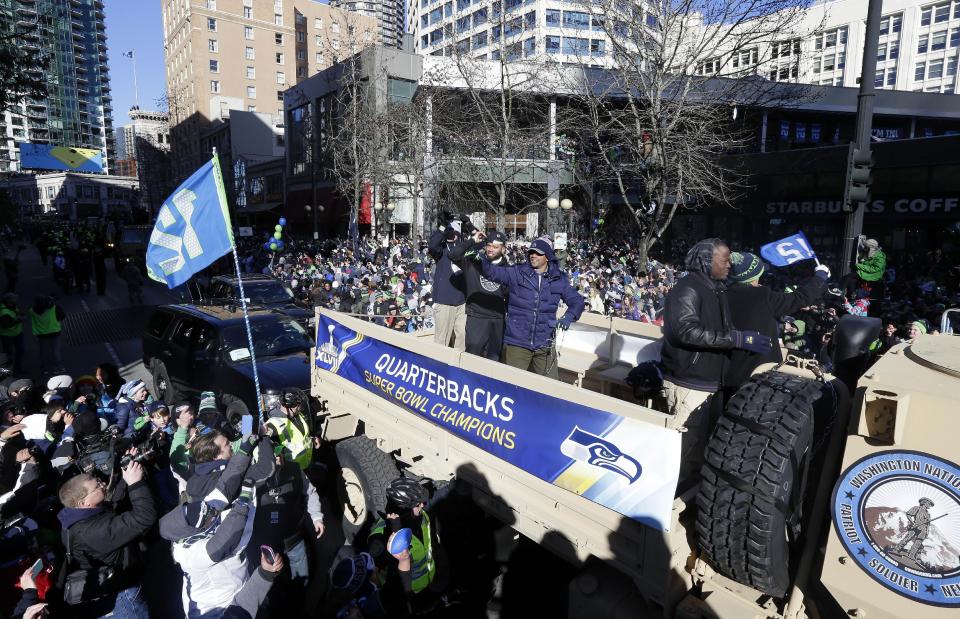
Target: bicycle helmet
[(406, 493)]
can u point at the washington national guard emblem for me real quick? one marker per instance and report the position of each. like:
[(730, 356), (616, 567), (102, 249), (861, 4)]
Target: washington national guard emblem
[(897, 513)]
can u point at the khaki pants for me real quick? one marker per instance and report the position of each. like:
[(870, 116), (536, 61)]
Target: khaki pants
[(692, 410), (542, 361), (450, 320)]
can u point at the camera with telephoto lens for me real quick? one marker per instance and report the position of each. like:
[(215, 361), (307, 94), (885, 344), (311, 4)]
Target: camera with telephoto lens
[(102, 454)]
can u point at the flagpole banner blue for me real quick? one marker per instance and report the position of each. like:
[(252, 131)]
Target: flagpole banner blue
[(621, 463), (788, 250), (192, 229)]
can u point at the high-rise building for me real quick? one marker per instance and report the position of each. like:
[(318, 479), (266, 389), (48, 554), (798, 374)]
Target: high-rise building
[(560, 30), (70, 36), (388, 13), (143, 150), (918, 48), (241, 55)]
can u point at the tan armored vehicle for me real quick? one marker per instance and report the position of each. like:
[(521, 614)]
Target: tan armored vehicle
[(822, 495)]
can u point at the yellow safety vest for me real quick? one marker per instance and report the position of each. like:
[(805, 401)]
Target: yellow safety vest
[(297, 443), (46, 323), (17, 327), (423, 566)]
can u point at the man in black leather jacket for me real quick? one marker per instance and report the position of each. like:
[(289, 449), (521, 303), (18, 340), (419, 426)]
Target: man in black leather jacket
[(698, 336)]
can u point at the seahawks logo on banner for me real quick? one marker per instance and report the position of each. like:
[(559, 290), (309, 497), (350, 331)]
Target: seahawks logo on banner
[(897, 513)]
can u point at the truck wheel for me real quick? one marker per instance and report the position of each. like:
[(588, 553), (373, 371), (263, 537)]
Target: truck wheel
[(365, 474), (749, 505), (163, 388)]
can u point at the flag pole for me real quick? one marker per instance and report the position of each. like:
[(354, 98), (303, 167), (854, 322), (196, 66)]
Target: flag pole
[(246, 316)]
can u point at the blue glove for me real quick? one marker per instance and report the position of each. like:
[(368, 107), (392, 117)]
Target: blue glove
[(752, 341), (565, 321)]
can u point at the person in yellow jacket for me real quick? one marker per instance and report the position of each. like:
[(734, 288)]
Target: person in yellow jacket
[(291, 429), (425, 577), (46, 320), (11, 330)]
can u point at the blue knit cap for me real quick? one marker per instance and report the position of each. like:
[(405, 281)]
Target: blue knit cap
[(745, 267)]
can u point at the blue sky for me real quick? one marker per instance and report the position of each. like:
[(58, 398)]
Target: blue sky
[(138, 25)]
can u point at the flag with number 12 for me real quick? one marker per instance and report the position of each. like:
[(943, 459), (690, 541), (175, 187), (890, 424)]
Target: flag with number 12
[(787, 251), (192, 229)]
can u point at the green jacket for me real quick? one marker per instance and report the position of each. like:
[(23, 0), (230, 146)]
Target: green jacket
[(179, 454), (872, 269)]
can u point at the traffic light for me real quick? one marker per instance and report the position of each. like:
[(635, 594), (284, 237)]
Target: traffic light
[(859, 178)]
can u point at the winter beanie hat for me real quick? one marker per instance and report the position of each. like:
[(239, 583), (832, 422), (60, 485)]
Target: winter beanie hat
[(745, 267), (208, 402)]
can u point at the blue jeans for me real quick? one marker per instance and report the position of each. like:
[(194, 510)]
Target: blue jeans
[(127, 605), (299, 564)]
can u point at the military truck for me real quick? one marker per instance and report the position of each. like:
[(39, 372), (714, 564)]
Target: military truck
[(822, 495), (130, 245)]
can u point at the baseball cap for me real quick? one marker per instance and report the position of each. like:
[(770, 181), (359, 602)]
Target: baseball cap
[(496, 237)]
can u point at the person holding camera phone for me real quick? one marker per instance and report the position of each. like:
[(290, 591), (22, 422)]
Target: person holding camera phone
[(448, 289), (104, 555)]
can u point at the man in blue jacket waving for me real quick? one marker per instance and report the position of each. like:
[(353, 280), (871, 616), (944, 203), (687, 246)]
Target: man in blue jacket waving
[(535, 290)]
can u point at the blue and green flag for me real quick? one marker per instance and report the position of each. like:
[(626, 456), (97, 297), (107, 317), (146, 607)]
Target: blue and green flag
[(192, 229)]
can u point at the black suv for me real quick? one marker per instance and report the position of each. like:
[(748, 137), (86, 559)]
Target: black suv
[(261, 290), (189, 349)]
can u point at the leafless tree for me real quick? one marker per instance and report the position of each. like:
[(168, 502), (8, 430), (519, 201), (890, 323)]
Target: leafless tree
[(492, 123), (657, 125)]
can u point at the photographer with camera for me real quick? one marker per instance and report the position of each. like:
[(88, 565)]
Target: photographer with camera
[(448, 287), (104, 556)]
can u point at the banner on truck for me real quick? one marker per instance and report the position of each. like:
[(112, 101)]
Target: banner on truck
[(623, 464)]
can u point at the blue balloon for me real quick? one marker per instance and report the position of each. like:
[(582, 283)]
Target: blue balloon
[(283, 221), (279, 244), (401, 541)]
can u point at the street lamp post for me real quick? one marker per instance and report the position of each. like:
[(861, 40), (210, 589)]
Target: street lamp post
[(552, 205), (567, 205)]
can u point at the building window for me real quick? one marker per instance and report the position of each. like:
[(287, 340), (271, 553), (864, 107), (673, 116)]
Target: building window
[(955, 36), (448, 9), (882, 52), (480, 40), (278, 38), (281, 78), (575, 46), (301, 55), (278, 19), (301, 71), (952, 66), (319, 56), (552, 44), (318, 23), (919, 72), (894, 50), (896, 23), (553, 18), (878, 78), (597, 47), (494, 34), (922, 45), (214, 86), (278, 6), (249, 54), (480, 17), (463, 24), (941, 13), (892, 77), (530, 20), (463, 5), (251, 92), (248, 32), (279, 95), (251, 73), (248, 12), (211, 5), (576, 20), (652, 20), (301, 37), (884, 25), (214, 66), (335, 27), (938, 41), (213, 46), (251, 108), (529, 47), (211, 24), (935, 70), (279, 58)]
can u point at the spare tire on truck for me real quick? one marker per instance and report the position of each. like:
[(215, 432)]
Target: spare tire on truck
[(749, 506), (366, 471)]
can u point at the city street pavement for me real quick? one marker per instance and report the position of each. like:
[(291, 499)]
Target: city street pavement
[(96, 329)]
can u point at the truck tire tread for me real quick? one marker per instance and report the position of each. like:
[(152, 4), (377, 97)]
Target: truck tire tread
[(375, 469), (743, 534)]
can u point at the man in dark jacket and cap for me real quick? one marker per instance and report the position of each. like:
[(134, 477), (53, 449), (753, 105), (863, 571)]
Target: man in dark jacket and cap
[(534, 290), (698, 336), (449, 310), (757, 308)]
